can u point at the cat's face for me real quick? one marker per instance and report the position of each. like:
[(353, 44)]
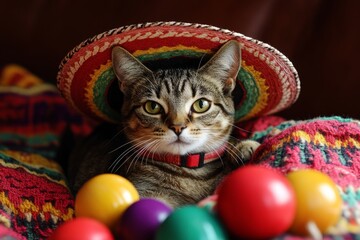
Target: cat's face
[(178, 111)]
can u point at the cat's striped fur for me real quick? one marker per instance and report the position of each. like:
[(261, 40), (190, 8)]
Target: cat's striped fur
[(172, 111)]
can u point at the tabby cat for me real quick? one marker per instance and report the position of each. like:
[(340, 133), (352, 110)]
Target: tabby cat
[(174, 141)]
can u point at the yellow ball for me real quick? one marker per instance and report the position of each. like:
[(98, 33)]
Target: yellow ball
[(318, 201), (105, 197)]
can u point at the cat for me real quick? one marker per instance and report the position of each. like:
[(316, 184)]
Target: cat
[(169, 115)]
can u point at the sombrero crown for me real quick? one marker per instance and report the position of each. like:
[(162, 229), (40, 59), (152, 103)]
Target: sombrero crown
[(266, 83)]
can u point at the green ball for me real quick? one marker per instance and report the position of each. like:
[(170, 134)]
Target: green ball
[(191, 223)]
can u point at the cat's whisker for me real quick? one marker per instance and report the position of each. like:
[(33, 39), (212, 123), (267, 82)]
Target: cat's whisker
[(234, 156), (119, 159), (121, 146), (134, 159), (125, 153), (211, 149), (145, 150), (123, 159), (241, 129), (153, 150), (116, 168), (235, 153), (128, 143), (140, 152)]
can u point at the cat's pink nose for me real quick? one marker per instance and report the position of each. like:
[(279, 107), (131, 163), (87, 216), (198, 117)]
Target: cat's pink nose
[(177, 128)]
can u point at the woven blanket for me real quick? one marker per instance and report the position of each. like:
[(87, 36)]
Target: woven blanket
[(328, 144), (35, 198)]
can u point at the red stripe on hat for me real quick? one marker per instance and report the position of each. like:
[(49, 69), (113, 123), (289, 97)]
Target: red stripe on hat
[(81, 79)]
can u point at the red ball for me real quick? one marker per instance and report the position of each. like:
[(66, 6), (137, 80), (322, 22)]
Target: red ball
[(82, 229), (256, 202)]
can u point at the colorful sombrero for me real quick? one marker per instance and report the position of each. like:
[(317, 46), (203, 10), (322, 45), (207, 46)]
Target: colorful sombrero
[(266, 83)]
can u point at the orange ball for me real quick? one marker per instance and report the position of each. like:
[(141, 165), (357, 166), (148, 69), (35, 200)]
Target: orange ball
[(105, 198), (318, 201)]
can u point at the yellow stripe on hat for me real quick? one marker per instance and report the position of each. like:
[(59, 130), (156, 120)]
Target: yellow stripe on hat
[(89, 95), (262, 100)]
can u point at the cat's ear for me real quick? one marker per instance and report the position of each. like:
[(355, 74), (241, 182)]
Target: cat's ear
[(127, 68), (224, 66)]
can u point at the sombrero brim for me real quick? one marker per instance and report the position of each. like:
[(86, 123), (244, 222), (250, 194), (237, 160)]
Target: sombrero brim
[(266, 83)]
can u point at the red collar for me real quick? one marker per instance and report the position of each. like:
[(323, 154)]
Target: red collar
[(195, 160)]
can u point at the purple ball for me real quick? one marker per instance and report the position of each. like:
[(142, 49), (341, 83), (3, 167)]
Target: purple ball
[(141, 219)]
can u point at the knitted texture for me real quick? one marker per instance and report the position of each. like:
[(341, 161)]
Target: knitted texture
[(34, 197), (266, 83), (329, 145)]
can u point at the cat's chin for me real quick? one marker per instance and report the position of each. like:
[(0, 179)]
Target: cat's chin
[(179, 145), (178, 148), (182, 148)]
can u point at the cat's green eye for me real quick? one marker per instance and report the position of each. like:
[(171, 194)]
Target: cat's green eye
[(152, 107), (201, 105)]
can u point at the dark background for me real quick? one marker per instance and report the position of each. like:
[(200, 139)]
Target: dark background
[(321, 37)]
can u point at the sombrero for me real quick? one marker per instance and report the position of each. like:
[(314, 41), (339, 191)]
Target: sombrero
[(266, 83)]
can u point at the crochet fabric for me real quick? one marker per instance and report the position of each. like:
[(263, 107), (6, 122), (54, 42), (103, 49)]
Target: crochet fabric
[(330, 145), (34, 197)]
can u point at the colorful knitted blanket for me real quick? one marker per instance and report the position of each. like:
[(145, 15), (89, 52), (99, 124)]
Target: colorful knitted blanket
[(35, 198), (330, 145)]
